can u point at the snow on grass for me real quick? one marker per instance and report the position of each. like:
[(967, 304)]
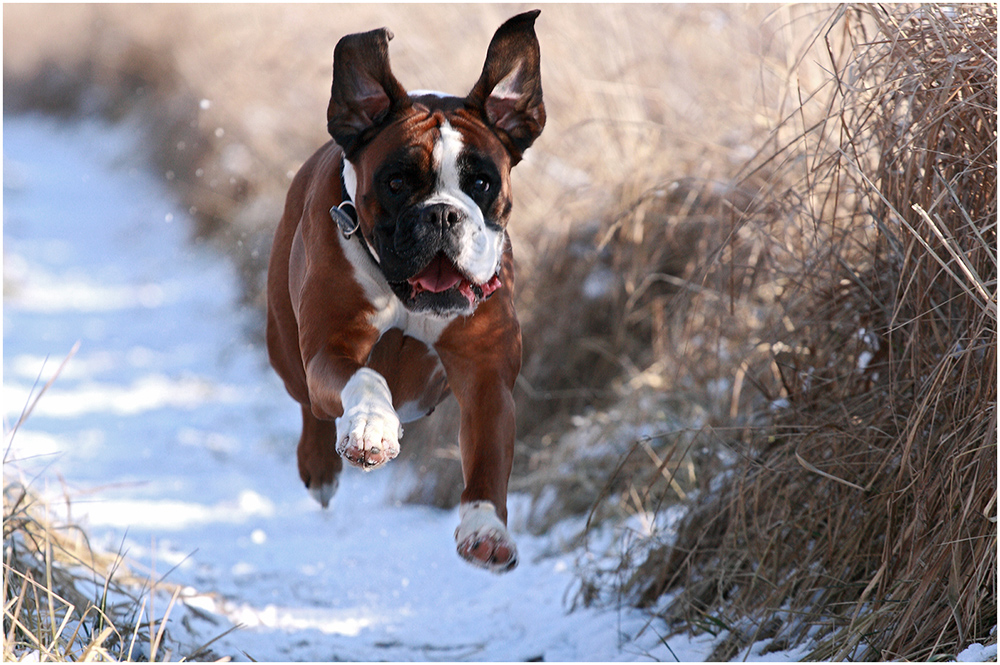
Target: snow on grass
[(978, 653), (173, 436)]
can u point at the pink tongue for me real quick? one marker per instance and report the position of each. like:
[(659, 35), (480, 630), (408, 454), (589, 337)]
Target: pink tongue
[(439, 276)]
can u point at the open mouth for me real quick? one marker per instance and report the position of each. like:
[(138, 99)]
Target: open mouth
[(442, 275)]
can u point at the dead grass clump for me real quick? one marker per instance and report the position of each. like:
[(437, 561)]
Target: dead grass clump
[(659, 300), (624, 290), (64, 601), (865, 517)]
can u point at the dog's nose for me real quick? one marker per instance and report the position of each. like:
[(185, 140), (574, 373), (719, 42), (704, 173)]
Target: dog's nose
[(440, 215)]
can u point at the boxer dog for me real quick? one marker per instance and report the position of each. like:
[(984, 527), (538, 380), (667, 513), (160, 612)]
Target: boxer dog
[(391, 278)]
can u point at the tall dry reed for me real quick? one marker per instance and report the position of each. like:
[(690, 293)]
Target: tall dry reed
[(865, 516)]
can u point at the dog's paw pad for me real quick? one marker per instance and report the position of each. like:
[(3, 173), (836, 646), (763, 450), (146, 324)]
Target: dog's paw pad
[(495, 554), (483, 540), (369, 445), (369, 431), (366, 458)]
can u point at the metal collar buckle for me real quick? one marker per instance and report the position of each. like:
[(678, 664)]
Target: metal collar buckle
[(346, 216)]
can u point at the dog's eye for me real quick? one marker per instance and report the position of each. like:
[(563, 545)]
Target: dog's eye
[(481, 184), (396, 184)]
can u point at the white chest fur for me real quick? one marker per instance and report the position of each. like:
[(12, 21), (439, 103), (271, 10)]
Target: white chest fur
[(389, 310)]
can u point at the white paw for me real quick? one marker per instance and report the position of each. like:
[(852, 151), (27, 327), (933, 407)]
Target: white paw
[(369, 431), (483, 539)]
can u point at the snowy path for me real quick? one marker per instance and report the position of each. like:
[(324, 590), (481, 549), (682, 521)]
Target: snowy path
[(173, 436)]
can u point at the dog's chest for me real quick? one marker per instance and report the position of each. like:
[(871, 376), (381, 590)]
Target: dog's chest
[(389, 310)]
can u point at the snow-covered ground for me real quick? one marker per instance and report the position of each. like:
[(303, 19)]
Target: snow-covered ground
[(170, 434)]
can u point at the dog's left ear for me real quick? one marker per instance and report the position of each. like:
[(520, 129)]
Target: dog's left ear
[(509, 91)]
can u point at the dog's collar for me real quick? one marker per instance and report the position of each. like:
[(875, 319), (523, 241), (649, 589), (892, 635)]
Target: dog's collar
[(345, 214)]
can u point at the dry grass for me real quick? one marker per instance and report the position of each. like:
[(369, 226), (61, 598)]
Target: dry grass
[(65, 600), (866, 515)]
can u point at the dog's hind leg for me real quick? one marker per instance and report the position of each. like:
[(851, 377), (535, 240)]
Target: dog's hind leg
[(319, 463)]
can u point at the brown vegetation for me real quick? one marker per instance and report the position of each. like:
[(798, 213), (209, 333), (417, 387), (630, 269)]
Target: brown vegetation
[(866, 514), (64, 601)]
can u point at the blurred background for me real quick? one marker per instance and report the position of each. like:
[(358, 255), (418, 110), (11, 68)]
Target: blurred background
[(710, 235), (652, 110), (234, 96)]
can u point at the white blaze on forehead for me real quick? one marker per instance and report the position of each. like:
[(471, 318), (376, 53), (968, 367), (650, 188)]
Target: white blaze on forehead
[(480, 247), (447, 150)]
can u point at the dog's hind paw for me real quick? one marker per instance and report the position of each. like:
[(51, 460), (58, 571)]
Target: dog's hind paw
[(324, 492), (483, 539)]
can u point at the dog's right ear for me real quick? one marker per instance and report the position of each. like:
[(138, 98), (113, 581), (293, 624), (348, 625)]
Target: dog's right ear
[(364, 92)]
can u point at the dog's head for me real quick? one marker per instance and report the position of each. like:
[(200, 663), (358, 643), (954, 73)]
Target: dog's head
[(430, 173)]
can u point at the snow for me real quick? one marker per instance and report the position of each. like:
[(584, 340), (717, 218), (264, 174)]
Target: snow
[(978, 653), (175, 441)]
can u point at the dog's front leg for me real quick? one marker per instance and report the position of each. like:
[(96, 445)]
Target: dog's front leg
[(368, 429), (336, 339), (482, 383), (486, 441)]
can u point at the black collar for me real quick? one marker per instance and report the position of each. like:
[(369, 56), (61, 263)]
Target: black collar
[(346, 216)]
